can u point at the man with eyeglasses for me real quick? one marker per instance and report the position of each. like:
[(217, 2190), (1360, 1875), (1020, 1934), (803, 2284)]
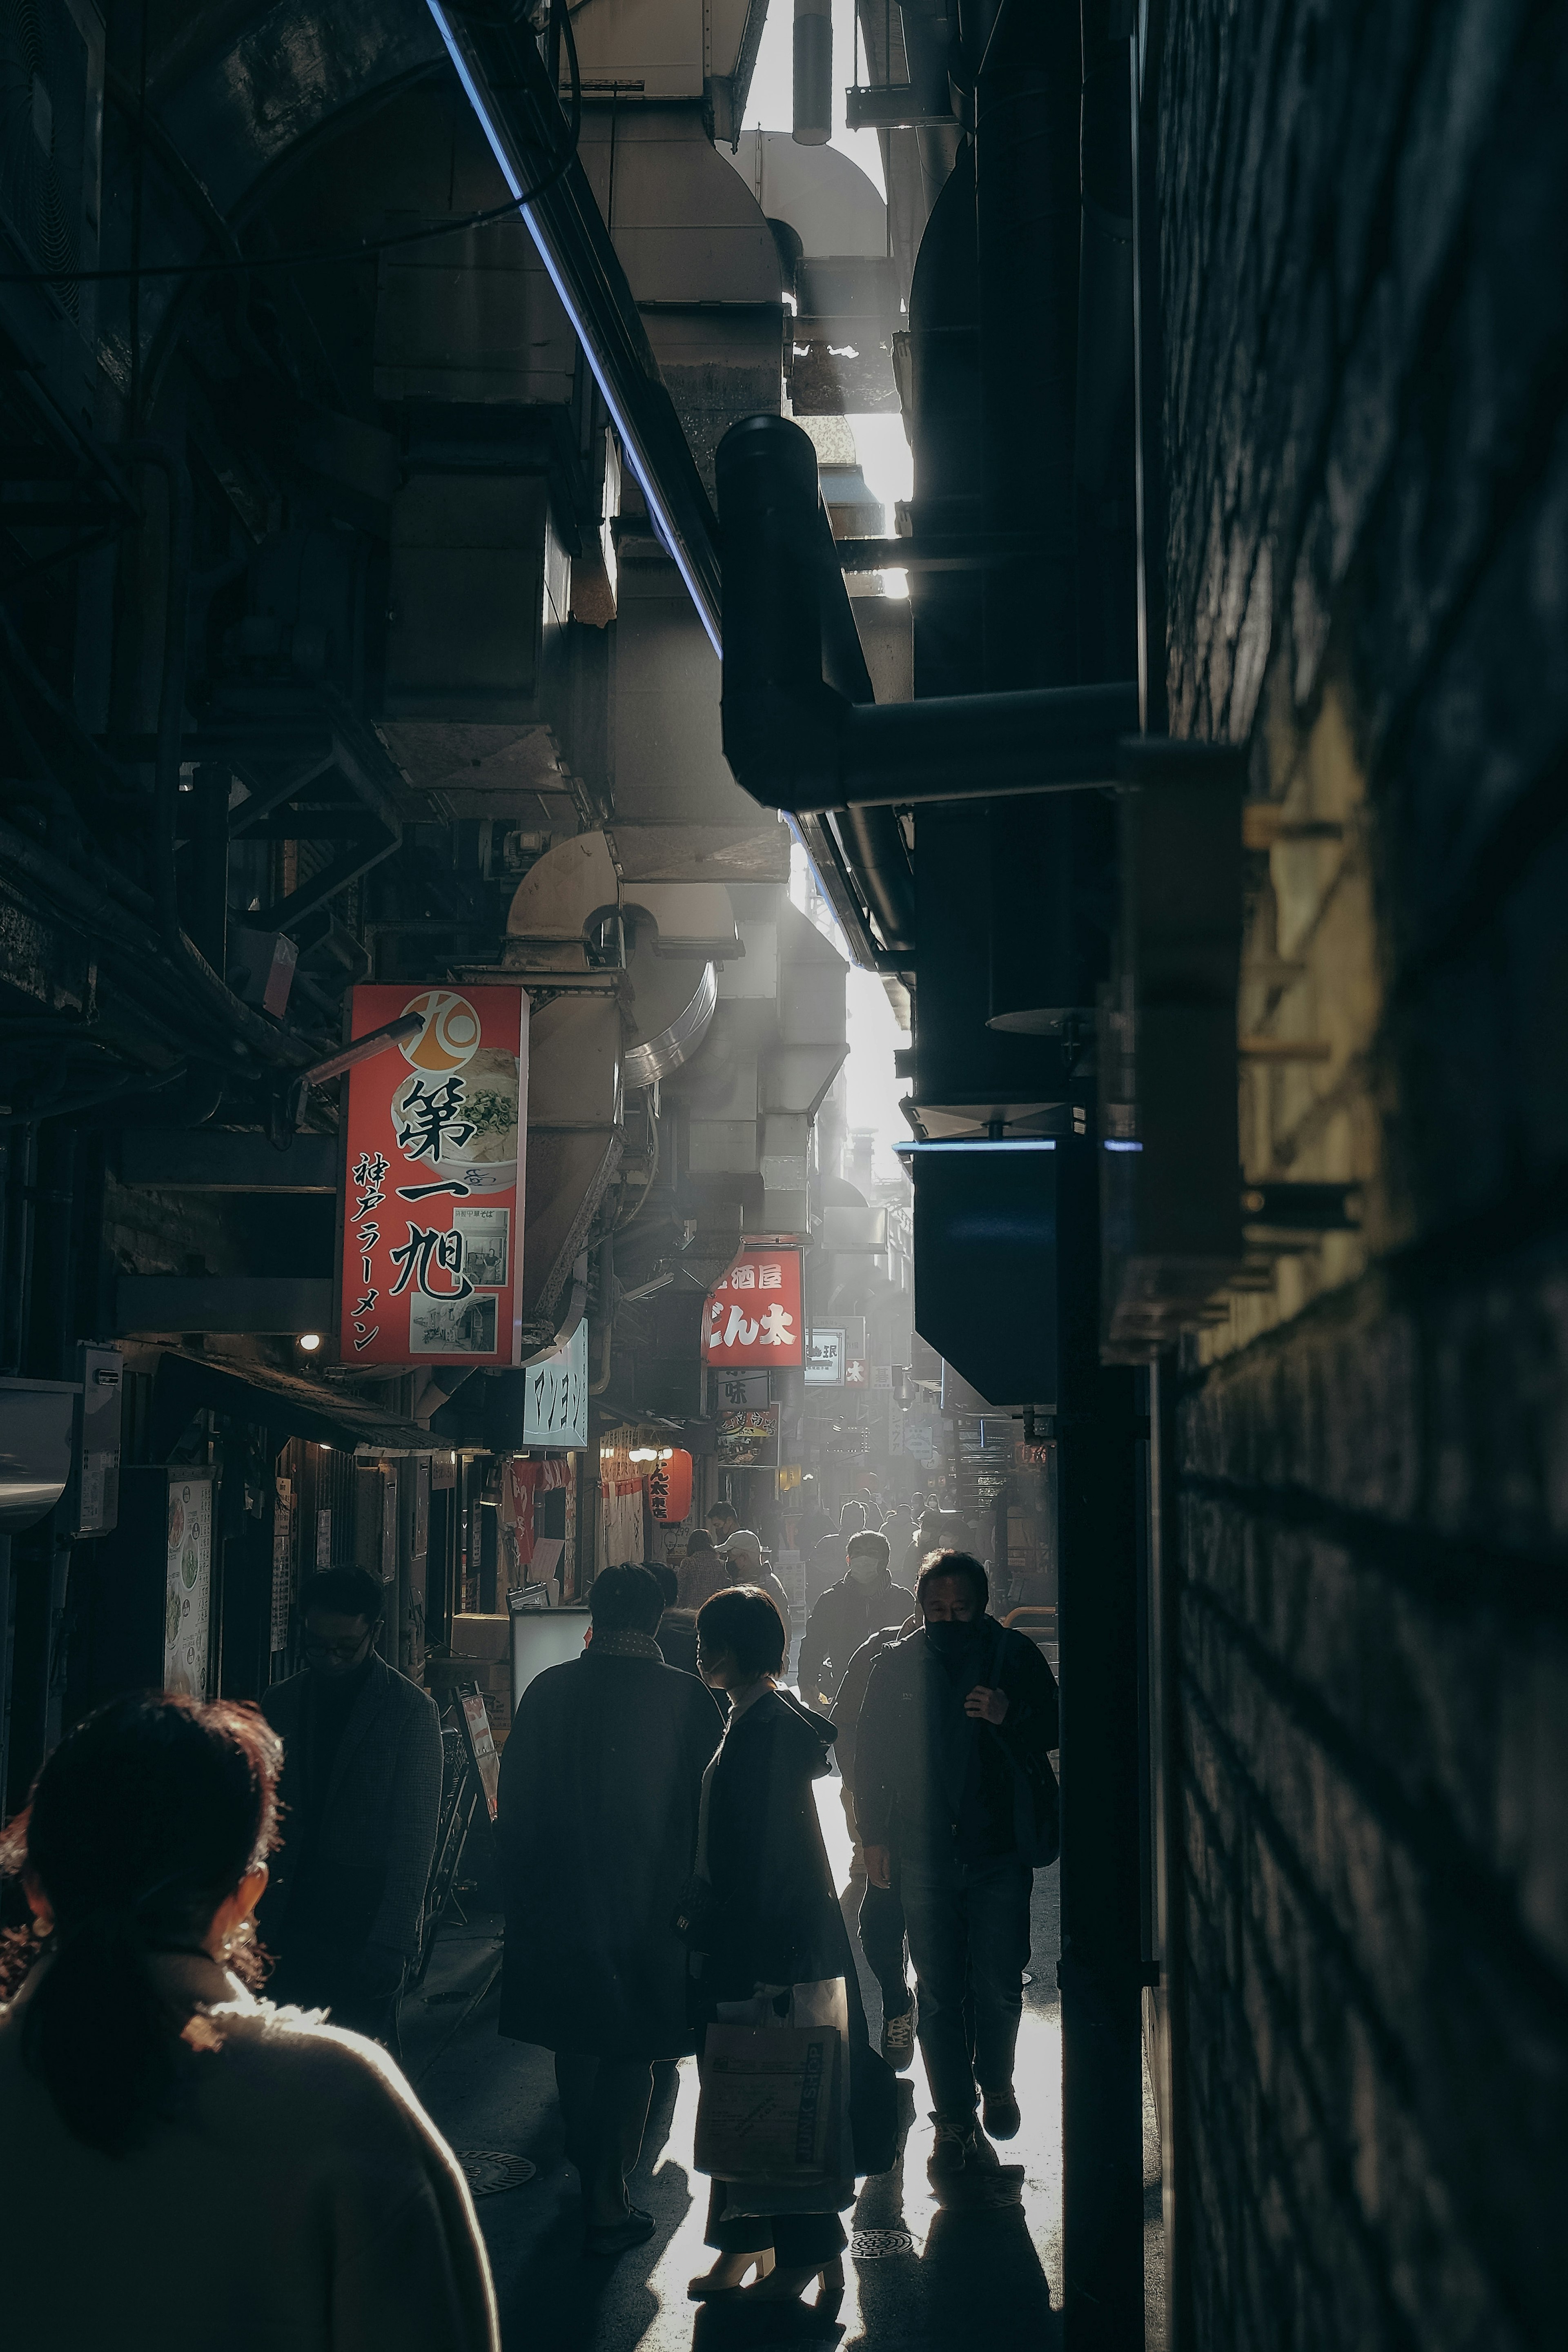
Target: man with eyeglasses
[(360, 1793)]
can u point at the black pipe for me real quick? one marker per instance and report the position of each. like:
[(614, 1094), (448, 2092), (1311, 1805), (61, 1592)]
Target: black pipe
[(1104, 450), (873, 843), (947, 615), (1026, 216), (794, 742)]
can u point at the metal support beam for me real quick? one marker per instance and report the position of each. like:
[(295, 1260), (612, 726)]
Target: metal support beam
[(1101, 1967)]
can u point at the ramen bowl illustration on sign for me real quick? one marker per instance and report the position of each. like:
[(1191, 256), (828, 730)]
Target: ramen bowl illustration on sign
[(479, 1145)]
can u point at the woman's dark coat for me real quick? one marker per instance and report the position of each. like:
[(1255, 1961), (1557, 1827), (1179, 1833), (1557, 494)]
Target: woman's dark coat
[(775, 1918), (600, 1782)]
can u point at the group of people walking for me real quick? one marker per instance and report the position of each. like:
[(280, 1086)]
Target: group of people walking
[(665, 1875)]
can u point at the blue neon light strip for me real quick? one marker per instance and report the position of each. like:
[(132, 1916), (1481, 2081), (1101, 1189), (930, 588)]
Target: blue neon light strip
[(1116, 1145), (980, 1143), (663, 521)]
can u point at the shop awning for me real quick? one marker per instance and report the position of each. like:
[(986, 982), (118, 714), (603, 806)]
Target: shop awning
[(276, 1400)]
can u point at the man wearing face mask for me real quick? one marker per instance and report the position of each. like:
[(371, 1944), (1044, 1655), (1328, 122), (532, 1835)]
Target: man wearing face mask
[(953, 1789), (864, 1600)]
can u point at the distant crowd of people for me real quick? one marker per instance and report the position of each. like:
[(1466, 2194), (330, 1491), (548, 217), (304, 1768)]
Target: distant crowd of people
[(664, 1872)]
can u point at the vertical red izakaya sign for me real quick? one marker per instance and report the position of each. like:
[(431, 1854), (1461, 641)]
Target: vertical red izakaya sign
[(753, 1316), (432, 1265)]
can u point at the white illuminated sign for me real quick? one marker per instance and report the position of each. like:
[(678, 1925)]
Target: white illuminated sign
[(556, 1401)]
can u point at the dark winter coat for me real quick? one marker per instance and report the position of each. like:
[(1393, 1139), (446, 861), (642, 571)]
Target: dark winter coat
[(774, 1916), (600, 1782), (355, 1856), (766, 1862), (913, 1745), (851, 1697), (846, 1614)]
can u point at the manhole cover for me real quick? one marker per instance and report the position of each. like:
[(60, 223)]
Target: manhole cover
[(488, 2170), (876, 2245)]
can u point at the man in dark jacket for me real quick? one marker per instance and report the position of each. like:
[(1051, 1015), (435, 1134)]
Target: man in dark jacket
[(864, 1600), (600, 1784), (881, 1923), (826, 1562), (361, 1796), (954, 1783)]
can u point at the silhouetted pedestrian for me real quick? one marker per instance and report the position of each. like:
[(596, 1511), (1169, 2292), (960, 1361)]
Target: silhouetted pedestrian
[(183, 2165), (953, 1784), (600, 1784), (362, 1796)]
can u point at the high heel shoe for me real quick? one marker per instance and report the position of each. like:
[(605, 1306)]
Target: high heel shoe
[(725, 2277), (789, 2285)]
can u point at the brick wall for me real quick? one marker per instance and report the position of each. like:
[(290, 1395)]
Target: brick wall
[(1366, 279)]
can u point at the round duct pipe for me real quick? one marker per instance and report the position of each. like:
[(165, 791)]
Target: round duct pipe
[(812, 72), (654, 1057)]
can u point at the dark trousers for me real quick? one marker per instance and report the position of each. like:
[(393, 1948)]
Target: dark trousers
[(969, 1934), (798, 2240), (881, 1926), (604, 2105)]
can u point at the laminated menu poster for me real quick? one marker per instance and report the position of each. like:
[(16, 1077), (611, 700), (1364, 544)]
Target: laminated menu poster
[(432, 1246), (187, 1586), (747, 1437)]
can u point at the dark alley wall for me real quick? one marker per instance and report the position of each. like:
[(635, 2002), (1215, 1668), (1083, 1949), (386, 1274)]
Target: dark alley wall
[(1367, 357)]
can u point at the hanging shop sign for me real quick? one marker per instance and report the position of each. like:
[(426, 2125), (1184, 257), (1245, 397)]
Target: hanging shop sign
[(432, 1263), (855, 1371), (670, 1487), (555, 1394), (824, 1359), (737, 1388), (748, 1438), (753, 1316)]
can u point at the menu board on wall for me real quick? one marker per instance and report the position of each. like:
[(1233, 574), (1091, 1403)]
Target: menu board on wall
[(748, 1438), (187, 1588), (432, 1248)]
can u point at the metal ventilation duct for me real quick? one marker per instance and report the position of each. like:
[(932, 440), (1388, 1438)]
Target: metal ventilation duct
[(654, 1059)]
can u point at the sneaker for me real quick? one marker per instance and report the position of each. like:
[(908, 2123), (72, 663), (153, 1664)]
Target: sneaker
[(956, 2149), (898, 2039), (1001, 2117)]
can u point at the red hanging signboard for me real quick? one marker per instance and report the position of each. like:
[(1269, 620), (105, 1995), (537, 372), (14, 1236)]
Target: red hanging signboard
[(432, 1263), (753, 1316)]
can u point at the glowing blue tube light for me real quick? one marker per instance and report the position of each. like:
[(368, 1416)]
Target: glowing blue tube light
[(977, 1143), (646, 481)]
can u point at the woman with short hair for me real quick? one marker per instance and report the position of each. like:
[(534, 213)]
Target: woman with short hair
[(767, 1928), (183, 2165)]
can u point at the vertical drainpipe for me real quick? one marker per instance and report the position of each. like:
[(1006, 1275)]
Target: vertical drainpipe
[(812, 72), (1048, 855)]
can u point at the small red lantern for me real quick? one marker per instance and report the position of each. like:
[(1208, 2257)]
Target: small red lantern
[(670, 1487)]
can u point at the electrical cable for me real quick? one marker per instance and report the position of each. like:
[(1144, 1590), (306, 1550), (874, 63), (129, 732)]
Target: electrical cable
[(370, 245)]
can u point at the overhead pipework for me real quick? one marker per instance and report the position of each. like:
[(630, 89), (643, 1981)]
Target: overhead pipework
[(797, 742), (510, 89)]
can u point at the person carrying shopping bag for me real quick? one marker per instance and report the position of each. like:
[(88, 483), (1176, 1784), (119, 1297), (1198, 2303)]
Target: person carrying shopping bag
[(769, 1951)]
